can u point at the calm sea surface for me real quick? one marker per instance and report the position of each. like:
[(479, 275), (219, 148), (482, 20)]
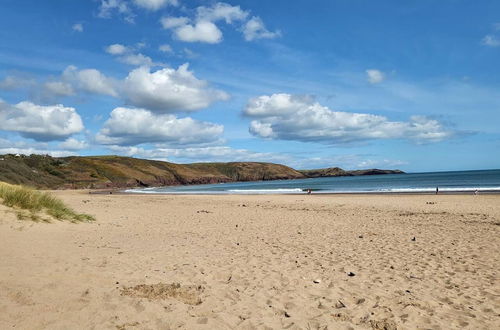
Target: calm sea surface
[(457, 181)]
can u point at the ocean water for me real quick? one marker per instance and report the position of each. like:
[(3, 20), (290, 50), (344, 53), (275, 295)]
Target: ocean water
[(448, 182)]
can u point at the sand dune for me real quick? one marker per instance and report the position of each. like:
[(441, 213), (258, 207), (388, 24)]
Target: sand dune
[(255, 262)]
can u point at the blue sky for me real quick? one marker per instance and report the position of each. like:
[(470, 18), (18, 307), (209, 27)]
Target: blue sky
[(413, 85)]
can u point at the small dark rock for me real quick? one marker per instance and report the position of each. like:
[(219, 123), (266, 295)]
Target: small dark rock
[(286, 314), (351, 274), (339, 304), (414, 239), (360, 236)]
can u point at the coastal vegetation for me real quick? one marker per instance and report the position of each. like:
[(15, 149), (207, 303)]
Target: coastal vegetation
[(37, 205)]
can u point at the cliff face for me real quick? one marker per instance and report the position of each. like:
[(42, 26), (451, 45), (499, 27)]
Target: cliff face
[(121, 172)]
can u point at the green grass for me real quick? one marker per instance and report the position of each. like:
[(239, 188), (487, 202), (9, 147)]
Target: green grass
[(36, 203)]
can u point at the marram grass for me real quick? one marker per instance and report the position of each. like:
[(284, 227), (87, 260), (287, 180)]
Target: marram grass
[(34, 203)]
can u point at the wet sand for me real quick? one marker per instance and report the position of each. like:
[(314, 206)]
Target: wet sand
[(255, 262)]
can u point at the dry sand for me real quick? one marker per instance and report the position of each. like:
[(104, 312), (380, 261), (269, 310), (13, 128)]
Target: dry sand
[(255, 262)]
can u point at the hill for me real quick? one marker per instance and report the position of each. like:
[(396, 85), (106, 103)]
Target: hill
[(336, 171), (43, 171), (96, 172)]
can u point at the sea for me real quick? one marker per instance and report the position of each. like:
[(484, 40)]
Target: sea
[(481, 181)]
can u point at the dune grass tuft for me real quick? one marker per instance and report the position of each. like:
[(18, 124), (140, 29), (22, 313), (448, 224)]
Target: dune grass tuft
[(34, 203)]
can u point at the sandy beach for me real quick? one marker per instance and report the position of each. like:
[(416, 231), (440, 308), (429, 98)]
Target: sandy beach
[(255, 262)]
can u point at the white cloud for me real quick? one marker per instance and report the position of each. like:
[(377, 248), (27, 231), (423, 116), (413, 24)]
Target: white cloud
[(30, 151), (165, 48), (42, 123), (202, 31), (491, 40), (117, 49), (169, 90), (57, 88), (73, 144), (137, 60), (107, 7), (374, 76), (154, 5), (255, 29), (29, 147), (126, 55), (200, 154), (173, 22), (15, 82), (165, 90), (221, 11), (289, 117), (89, 80), (137, 126), (78, 27), (202, 27)]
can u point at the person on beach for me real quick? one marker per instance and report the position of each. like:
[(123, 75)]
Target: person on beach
[(309, 191), (437, 190)]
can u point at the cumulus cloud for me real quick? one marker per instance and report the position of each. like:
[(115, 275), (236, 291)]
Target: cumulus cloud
[(374, 76), (202, 31), (73, 144), (29, 147), (127, 55), (137, 60), (89, 80), (491, 40), (169, 90), (12, 82), (166, 49), (255, 29), (165, 90), (173, 22), (200, 154), (78, 27), (108, 7), (289, 117), (42, 123), (202, 27), (117, 49), (137, 126), (221, 11), (154, 5), (57, 88)]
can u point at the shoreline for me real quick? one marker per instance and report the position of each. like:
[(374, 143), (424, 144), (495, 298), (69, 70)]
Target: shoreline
[(315, 193)]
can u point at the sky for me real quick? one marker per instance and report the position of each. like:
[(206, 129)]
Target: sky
[(413, 85)]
